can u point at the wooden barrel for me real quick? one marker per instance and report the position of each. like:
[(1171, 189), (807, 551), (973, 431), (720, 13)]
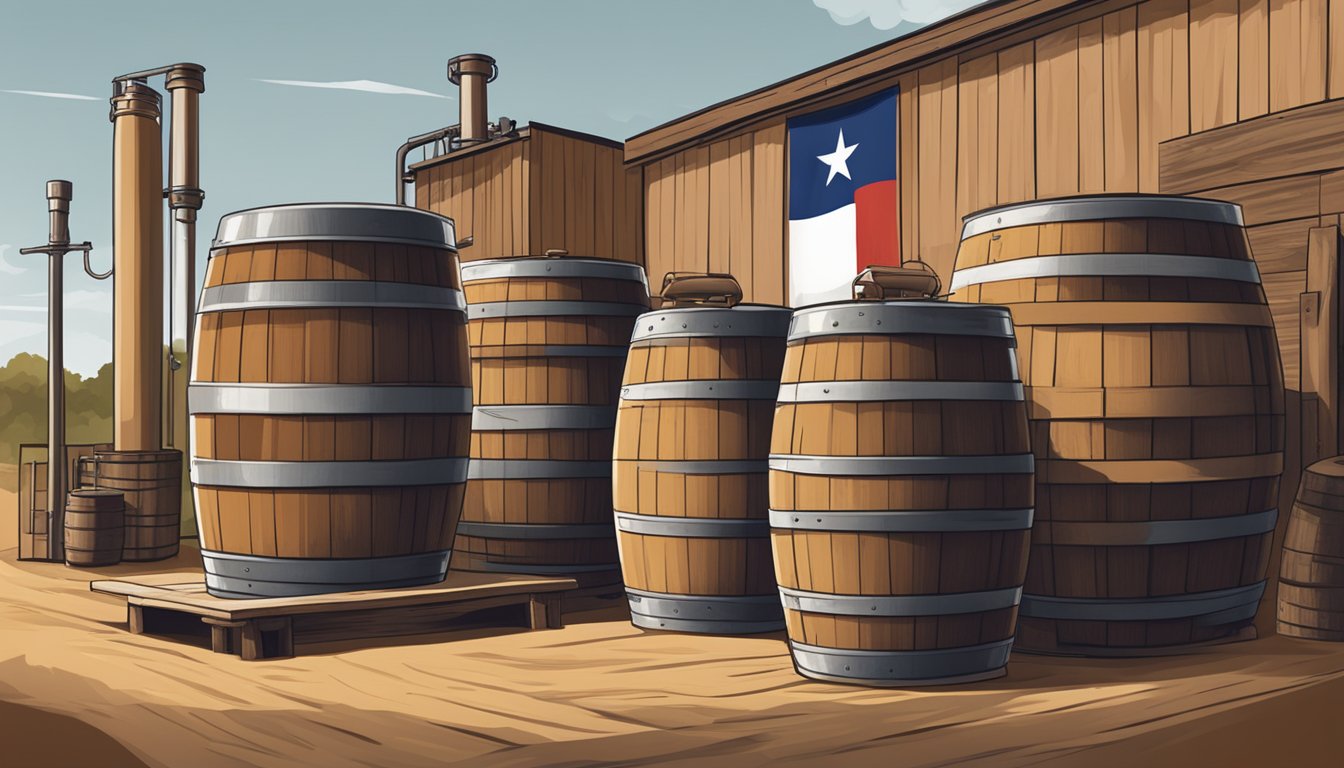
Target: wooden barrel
[(151, 484), (548, 342), (689, 479), (1311, 573), (1155, 396), (330, 400), (900, 492), (94, 527)]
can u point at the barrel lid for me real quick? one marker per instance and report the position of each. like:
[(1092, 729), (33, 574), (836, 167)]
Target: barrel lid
[(1101, 207), (358, 222), (1333, 467), (917, 316), (766, 320), (544, 266)]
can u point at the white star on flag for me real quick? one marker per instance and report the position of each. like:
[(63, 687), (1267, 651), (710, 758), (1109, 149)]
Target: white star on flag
[(838, 160)]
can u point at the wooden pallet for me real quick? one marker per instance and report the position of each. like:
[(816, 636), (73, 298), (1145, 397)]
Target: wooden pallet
[(271, 627)]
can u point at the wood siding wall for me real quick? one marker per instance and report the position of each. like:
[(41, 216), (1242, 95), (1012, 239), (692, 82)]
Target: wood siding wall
[(542, 191)]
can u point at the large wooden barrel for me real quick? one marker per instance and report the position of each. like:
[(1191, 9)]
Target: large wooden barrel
[(330, 400), (151, 484), (689, 481), (900, 492), (548, 342), (1311, 573), (1155, 395), (95, 528)]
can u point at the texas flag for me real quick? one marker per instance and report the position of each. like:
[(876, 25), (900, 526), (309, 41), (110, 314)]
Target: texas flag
[(844, 197)]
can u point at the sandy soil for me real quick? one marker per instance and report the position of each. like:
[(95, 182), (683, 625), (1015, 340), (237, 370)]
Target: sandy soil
[(602, 692)]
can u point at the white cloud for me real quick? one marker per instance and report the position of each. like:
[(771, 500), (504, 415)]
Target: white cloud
[(55, 95), (5, 266), (368, 86), (886, 14)]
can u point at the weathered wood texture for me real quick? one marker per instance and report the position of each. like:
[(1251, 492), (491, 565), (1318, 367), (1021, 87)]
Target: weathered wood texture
[(151, 483), (546, 189), (1311, 576), (1073, 101), (94, 527)]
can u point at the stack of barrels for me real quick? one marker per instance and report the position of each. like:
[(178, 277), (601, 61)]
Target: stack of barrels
[(330, 400), (548, 339)]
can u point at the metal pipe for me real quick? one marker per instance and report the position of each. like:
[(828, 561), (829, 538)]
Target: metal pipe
[(137, 239), (185, 82), (471, 72), (415, 142)]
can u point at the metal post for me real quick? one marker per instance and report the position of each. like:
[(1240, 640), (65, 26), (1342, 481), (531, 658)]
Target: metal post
[(59, 194)]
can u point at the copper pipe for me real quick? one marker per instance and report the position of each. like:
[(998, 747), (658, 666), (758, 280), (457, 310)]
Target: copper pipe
[(471, 72), (137, 241), (186, 83)]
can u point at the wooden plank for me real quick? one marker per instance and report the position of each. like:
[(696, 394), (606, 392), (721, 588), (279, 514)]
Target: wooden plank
[(1281, 247), (1297, 35), (1057, 113), (1305, 140), (1213, 45), (719, 203), (1120, 121), (1269, 202), (768, 194), (1320, 319), (1164, 82), (938, 230), (977, 134), (1335, 51), (1332, 193), (908, 146), (1091, 149), (1017, 124), (1253, 59)]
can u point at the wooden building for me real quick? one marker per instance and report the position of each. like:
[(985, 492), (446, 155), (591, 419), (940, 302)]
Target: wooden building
[(541, 188), (1016, 100)]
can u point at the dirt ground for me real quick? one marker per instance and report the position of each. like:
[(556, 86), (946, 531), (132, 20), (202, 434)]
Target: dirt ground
[(73, 683)]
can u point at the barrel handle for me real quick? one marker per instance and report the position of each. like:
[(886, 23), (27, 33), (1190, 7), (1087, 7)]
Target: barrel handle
[(79, 468), (912, 278), (555, 253), (700, 288)]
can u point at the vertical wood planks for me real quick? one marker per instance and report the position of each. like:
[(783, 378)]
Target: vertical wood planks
[(1057, 135), (1253, 59), (977, 134), (938, 165), (1120, 100), (1320, 318), (1213, 47), (769, 215), (1091, 150), (1017, 124), (1297, 36), (1164, 82), (1335, 51)]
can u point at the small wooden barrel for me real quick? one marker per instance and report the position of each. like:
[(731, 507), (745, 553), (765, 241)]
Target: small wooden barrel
[(548, 342), (1155, 396), (95, 528), (689, 479), (900, 492), (330, 401), (1311, 574), (151, 484)]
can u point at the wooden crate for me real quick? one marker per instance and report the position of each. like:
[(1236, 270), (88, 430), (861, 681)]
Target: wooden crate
[(273, 627)]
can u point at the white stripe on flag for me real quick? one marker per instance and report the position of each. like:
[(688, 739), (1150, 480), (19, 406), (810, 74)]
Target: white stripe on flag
[(822, 257)]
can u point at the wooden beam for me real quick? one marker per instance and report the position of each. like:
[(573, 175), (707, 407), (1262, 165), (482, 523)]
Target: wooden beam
[(1320, 318), (1303, 140)]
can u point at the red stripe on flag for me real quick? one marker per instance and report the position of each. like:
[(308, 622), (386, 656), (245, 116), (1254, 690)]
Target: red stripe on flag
[(877, 224)]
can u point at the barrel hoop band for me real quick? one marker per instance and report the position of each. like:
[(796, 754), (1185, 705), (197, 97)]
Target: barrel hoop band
[(900, 605), (1109, 265), (255, 576), (327, 474), (700, 322), (869, 391), (939, 665), (340, 222), (489, 418), (903, 521), (1154, 532), (719, 389), (537, 469), (534, 531), (303, 294), (1142, 313), (901, 317), (691, 527), (325, 399), (510, 351), (701, 467), (496, 309), (493, 269), (1240, 602), (1008, 464), (1150, 402), (1101, 209), (1144, 471), (722, 614)]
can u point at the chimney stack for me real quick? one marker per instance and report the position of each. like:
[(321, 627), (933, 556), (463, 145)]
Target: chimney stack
[(471, 72)]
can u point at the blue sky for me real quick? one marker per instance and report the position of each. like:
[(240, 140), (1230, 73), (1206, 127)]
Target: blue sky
[(609, 67)]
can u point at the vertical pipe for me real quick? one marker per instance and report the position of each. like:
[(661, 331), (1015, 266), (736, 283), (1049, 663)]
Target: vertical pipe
[(186, 83), (137, 241), (471, 72), (59, 194)]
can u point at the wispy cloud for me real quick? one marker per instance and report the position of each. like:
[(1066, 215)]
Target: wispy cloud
[(5, 266), (886, 14), (53, 95), (367, 86)]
